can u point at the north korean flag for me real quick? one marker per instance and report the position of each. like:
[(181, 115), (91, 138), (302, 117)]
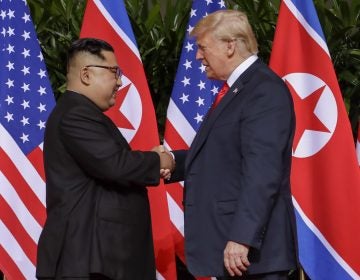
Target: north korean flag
[(325, 174), (134, 112)]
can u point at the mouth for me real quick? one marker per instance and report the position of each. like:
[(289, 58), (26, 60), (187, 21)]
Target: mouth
[(207, 67)]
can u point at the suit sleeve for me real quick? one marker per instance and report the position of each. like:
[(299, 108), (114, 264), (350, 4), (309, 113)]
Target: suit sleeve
[(179, 172), (266, 129), (95, 148)]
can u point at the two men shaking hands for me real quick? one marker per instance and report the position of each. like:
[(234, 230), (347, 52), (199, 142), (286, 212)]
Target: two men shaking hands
[(167, 161)]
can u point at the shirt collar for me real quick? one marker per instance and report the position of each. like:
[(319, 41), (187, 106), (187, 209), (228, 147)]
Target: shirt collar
[(241, 69)]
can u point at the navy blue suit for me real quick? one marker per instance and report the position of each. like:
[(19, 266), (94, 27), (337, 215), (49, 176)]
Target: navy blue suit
[(237, 178)]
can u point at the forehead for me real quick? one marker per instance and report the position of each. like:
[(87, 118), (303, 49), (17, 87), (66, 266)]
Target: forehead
[(205, 38), (109, 56), (88, 58)]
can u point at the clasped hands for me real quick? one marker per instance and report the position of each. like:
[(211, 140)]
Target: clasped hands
[(167, 162)]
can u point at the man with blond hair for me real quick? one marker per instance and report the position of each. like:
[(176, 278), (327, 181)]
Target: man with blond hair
[(239, 217)]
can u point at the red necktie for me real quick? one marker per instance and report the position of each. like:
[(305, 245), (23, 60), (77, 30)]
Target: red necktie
[(220, 95)]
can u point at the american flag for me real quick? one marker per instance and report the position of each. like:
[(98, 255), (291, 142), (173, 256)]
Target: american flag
[(191, 98), (325, 177), (26, 100)]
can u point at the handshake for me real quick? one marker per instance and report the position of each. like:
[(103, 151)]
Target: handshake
[(167, 161)]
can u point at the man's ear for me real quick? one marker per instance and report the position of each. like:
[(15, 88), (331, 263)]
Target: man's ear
[(230, 47), (85, 75)]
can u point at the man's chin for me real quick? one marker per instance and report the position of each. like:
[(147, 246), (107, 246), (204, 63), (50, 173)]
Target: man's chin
[(112, 102), (210, 75)]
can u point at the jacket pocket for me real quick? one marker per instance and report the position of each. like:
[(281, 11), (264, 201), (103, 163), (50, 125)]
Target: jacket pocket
[(226, 207)]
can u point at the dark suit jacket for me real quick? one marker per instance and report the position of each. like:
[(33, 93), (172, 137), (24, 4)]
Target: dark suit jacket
[(98, 218), (237, 178)]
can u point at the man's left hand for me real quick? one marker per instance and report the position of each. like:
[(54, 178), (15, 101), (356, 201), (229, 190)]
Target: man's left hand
[(236, 258)]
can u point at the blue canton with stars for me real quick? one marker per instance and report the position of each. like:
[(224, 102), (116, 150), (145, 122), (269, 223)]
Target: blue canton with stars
[(26, 97), (193, 92)]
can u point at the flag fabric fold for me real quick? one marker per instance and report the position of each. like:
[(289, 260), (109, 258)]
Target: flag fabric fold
[(133, 112), (25, 103), (191, 97), (325, 174)]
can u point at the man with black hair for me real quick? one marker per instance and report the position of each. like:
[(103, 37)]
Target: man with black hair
[(98, 218)]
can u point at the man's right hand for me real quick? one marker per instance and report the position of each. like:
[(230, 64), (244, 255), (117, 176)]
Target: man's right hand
[(167, 163)]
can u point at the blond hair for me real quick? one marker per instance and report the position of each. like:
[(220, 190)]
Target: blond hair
[(228, 25)]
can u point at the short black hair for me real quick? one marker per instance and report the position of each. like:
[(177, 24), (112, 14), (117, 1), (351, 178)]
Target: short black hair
[(90, 45)]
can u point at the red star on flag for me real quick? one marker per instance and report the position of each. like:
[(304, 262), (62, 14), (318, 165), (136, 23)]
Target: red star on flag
[(115, 114), (306, 118)]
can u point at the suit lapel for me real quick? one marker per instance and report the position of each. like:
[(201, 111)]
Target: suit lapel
[(209, 121), (204, 130)]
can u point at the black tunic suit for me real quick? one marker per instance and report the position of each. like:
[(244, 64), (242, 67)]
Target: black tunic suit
[(98, 217)]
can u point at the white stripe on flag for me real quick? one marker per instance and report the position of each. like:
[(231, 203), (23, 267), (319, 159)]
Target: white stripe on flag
[(323, 240), (117, 28), (10, 195), (313, 34), (166, 145), (176, 214), (159, 276), (16, 253), (31, 176), (180, 123)]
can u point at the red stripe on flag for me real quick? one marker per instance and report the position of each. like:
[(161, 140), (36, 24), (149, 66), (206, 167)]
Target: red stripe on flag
[(31, 201), (36, 159), (358, 145), (173, 138), (163, 242), (179, 243), (16, 228), (8, 267)]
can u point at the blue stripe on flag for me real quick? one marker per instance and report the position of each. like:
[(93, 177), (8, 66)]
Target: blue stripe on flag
[(307, 9), (118, 12), (320, 264)]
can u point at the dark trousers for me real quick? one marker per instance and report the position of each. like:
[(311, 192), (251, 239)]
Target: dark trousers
[(91, 277), (281, 275)]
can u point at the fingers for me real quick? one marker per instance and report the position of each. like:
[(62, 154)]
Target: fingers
[(165, 174), (167, 162), (236, 265), (235, 258)]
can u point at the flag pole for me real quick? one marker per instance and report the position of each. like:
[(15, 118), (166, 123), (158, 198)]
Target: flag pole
[(302, 274)]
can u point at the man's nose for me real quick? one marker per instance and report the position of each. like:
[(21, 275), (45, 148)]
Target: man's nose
[(199, 55), (119, 82)]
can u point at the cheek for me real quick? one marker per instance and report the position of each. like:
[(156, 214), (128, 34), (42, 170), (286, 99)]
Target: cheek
[(107, 86), (217, 64)]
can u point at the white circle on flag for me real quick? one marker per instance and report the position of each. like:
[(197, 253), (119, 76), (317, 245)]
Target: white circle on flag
[(311, 142), (131, 108)]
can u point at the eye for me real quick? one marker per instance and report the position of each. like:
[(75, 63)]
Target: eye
[(202, 48)]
